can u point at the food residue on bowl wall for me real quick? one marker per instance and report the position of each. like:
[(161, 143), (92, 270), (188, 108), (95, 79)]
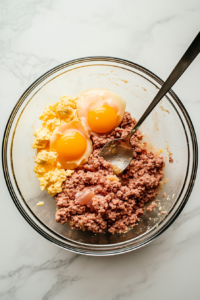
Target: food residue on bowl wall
[(162, 108)]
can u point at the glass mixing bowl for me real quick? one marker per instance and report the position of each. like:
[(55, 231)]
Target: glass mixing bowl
[(168, 127)]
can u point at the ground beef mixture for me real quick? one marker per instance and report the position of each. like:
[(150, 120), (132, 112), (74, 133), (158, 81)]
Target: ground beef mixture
[(118, 202)]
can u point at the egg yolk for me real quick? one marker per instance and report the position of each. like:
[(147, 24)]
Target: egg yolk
[(102, 119), (71, 145)]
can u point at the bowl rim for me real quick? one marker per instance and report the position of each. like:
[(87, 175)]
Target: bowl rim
[(21, 100)]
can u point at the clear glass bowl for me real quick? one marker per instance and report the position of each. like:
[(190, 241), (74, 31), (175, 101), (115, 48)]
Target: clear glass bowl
[(169, 125)]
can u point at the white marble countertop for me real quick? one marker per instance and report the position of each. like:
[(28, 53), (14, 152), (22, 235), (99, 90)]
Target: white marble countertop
[(38, 35)]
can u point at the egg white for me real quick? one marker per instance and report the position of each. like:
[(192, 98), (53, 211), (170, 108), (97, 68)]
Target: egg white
[(92, 98), (71, 165)]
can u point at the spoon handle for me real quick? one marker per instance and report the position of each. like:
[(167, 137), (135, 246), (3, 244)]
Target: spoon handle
[(179, 69)]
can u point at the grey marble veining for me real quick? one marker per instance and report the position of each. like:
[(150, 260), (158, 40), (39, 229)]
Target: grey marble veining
[(38, 35)]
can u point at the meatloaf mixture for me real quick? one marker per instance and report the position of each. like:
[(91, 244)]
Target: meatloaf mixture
[(117, 201)]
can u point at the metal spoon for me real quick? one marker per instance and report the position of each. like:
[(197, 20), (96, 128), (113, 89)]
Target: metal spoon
[(119, 152)]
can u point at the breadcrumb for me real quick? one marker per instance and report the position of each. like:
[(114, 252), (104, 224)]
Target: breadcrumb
[(69, 173), (40, 203)]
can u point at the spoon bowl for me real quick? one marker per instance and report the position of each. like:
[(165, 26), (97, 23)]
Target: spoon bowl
[(119, 153)]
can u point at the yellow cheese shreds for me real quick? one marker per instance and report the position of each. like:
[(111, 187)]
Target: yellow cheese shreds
[(54, 181), (52, 124), (71, 101), (42, 137), (41, 169), (49, 175), (47, 115), (47, 168), (46, 157), (50, 179), (65, 109)]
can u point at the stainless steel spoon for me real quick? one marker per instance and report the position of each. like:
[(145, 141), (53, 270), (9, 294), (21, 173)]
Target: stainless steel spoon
[(119, 152)]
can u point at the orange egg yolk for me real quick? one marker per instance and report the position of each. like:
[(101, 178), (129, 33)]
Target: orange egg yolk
[(71, 145), (102, 119)]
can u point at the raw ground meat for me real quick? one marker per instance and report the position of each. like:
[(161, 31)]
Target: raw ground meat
[(151, 206), (117, 204)]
